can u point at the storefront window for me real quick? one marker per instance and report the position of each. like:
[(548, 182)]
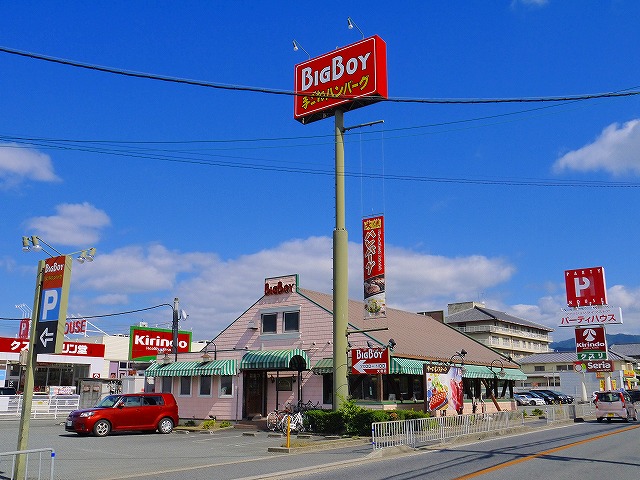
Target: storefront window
[(363, 387), (269, 322), (167, 384), (291, 321), (327, 388), (205, 386), (185, 386), (226, 385)]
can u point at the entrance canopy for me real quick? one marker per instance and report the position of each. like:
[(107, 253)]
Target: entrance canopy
[(192, 369), (481, 371), (293, 360), (409, 366)]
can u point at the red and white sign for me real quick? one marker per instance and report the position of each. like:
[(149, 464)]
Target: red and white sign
[(147, 343), (586, 316), (369, 361), (585, 286), (591, 339), (373, 265), (341, 79), (75, 325), (79, 349), (593, 366), (24, 329)]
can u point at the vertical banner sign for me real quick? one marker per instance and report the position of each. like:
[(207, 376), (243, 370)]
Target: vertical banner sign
[(52, 308), (373, 253), (585, 286), (23, 331)]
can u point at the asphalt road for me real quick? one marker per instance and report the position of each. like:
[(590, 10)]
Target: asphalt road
[(581, 450)]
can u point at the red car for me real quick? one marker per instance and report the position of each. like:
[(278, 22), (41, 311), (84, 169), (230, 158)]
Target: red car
[(130, 411)]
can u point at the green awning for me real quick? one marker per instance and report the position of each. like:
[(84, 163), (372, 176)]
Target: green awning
[(217, 367), (406, 366), (323, 366), (191, 369), (482, 371), (294, 359)]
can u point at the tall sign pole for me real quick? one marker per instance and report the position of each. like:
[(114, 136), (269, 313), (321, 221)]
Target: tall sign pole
[(340, 275), (341, 80), (29, 375)]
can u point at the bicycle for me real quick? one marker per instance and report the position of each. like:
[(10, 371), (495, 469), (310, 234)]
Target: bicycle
[(274, 418)]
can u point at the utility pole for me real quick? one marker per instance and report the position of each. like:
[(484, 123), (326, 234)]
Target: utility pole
[(174, 328)]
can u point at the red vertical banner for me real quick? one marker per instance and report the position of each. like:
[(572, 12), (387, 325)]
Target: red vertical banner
[(23, 332), (373, 266)]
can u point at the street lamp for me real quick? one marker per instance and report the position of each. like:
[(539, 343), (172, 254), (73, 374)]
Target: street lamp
[(461, 355), (59, 284), (501, 373)]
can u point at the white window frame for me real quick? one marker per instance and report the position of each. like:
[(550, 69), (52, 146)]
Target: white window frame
[(225, 395)]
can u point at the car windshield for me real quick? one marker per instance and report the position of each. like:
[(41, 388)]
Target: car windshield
[(108, 401)]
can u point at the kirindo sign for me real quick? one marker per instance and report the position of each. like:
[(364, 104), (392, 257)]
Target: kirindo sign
[(373, 264), (585, 286), (52, 309), (347, 78), (147, 343), (591, 343)]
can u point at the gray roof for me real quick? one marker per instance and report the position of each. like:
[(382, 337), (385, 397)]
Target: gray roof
[(566, 357), (481, 314), (629, 349)]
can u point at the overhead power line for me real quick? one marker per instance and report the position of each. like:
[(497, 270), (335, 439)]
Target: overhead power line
[(273, 91)]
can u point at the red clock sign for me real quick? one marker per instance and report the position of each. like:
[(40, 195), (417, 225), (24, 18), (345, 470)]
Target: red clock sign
[(585, 286)]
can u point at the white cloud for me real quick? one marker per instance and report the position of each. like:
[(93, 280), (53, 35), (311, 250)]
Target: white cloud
[(215, 292), (614, 151), (18, 163), (74, 224)]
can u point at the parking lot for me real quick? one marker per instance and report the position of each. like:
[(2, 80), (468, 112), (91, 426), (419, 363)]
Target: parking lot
[(232, 453)]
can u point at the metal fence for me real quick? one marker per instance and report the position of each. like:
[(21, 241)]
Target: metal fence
[(39, 464), (437, 429), (558, 413), (42, 405)]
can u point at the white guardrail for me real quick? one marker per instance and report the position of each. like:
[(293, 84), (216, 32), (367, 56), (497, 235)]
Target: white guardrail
[(41, 406), (437, 429), (38, 464)]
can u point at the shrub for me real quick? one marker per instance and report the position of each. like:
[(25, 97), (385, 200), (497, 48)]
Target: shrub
[(225, 424), (208, 424), (190, 423), (537, 411)]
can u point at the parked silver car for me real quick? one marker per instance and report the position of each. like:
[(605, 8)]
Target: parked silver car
[(525, 398)]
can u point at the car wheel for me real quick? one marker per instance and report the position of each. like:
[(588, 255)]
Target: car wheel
[(101, 428), (532, 403), (165, 425), (599, 419)]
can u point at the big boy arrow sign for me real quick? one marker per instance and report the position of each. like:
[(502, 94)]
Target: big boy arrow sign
[(369, 361)]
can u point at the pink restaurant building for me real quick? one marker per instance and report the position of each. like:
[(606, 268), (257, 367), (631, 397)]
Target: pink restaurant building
[(280, 351)]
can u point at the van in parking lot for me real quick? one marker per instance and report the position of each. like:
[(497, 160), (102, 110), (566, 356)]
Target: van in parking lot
[(131, 411), (614, 404)]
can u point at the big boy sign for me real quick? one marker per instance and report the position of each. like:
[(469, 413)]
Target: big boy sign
[(341, 78)]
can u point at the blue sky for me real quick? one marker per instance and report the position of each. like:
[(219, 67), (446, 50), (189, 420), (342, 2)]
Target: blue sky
[(200, 193)]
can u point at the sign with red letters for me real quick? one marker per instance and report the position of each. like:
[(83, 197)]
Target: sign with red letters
[(585, 286), (369, 361), (347, 78)]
